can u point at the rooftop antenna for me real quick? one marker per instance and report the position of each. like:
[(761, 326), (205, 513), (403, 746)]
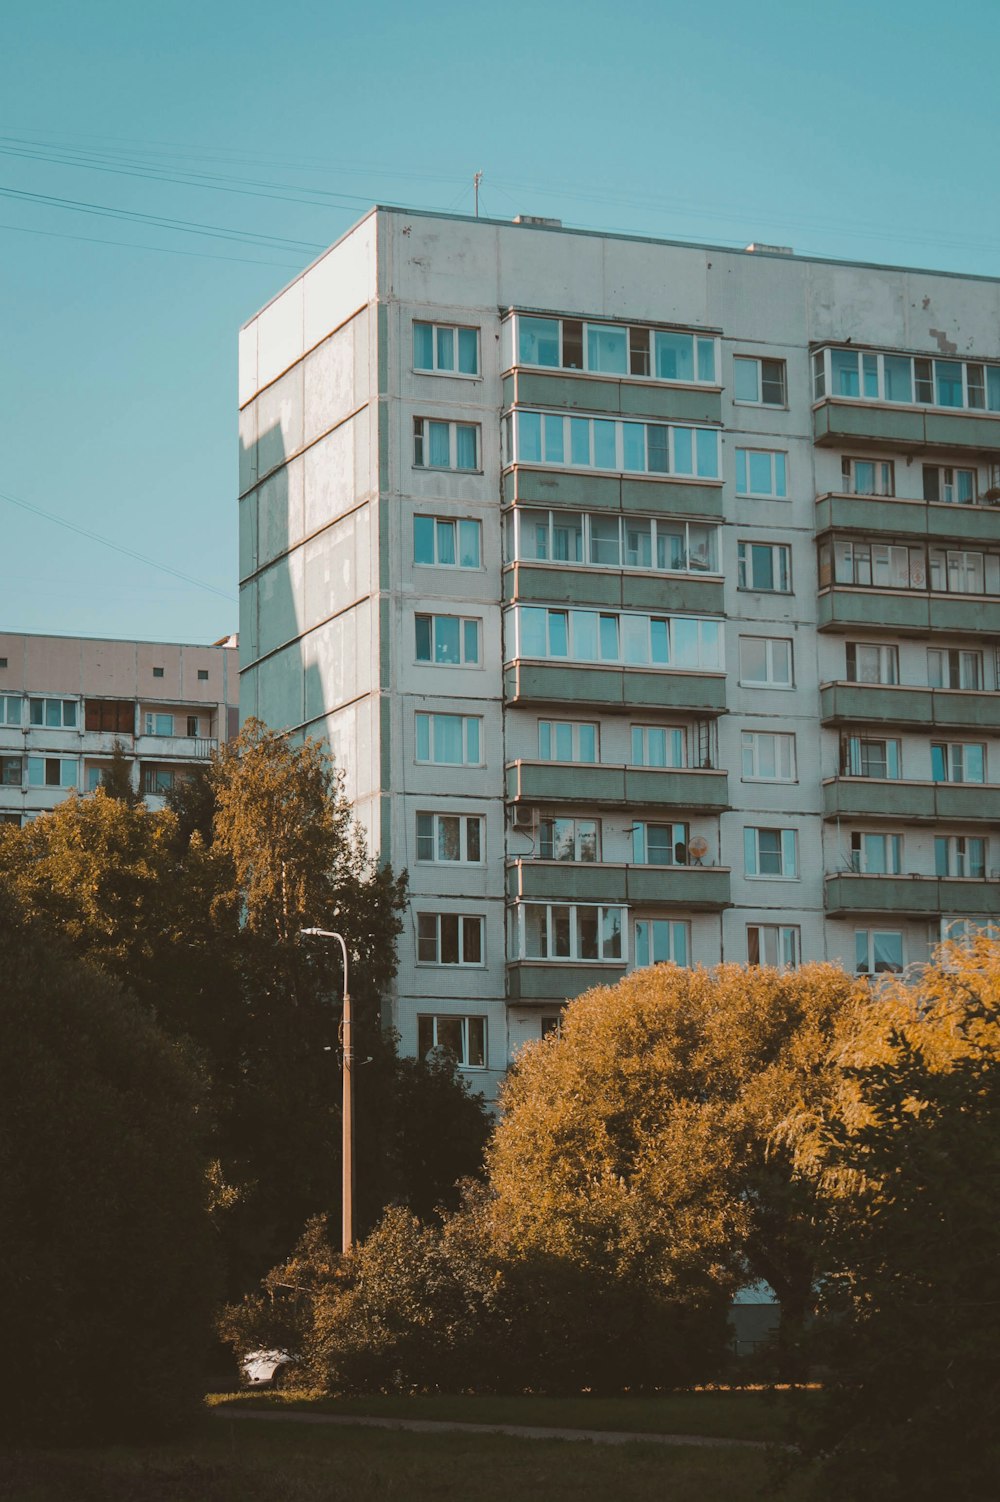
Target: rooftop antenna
[(477, 178)]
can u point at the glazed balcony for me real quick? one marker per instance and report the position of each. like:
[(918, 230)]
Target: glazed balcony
[(613, 786)]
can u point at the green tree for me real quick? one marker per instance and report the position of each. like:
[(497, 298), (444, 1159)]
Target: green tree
[(107, 1260), (116, 779), (905, 1158)]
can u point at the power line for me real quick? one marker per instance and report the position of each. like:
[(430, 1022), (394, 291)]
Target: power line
[(61, 521), (166, 250)]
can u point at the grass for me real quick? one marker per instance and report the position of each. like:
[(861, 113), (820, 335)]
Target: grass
[(720, 1414), (239, 1461)]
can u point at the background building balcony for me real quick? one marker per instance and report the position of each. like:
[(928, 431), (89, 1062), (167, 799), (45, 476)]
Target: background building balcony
[(587, 585), (619, 396), (576, 490), (889, 516), (910, 430), (910, 802), (911, 896), (900, 705), (694, 888), (669, 788), (614, 687), (845, 607), (554, 980)]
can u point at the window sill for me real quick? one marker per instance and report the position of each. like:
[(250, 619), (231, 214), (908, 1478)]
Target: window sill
[(444, 469), (449, 375)]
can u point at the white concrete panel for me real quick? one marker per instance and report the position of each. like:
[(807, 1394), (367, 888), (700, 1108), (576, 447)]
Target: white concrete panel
[(279, 335), (248, 382), (758, 297), (340, 283), (537, 269), (280, 602), (248, 448), (249, 642), (331, 569), (439, 262), (280, 688), (329, 477), (279, 421), (248, 547), (951, 316), (846, 302), (329, 381), (655, 282), (279, 511)]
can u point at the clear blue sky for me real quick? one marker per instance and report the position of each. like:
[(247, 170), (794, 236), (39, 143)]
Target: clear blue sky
[(864, 131)]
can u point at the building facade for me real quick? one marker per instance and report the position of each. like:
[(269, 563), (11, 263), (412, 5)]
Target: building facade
[(649, 595), (65, 701)]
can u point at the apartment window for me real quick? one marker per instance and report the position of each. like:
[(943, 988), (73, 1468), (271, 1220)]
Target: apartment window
[(768, 756), (770, 852), (765, 662), (659, 941), (878, 951), (447, 640), (960, 855), (610, 637), (115, 716), (159, 724), (54, 714), (3, 662), (567, 740), (660, 844), (10, 709), (764, 566), (449, 739), (443, 543), (51, 772), (463, 1037), (11, 771), (613, 542), (158, 781), (445, 348), (761, 382), (866, 375), (953, 487), (192, 724), (966, 930), (868, 477), (959, 572), (569, 839), (762, 473), (553, 438), (456, 838), (658, 746), (871, 662), (958, 761), (876, 565), (876, 854), (778, 945), (203, 675), (551, 1027), (445, 445), (12, 819), (865, 756), (157, 672), (954, 668), (449, 939), (557, 931), (616, 349)]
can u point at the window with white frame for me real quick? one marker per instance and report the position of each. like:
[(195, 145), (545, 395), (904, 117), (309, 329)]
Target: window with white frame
[(659, 746), (950, 486), (449, 739), (569, 931), (872, 662), (870, 756), (770, 853), (768, 756), (766, 662), (441, 542), (660, 844), (449, 939), (759, 382), (445, 445), (463, 1037), (662, 941), (868, 476), (447, 640), (52, 772), (762, 474), (445, 348), (959, 571), (158, 724), (876, 854), (454, 838), (958, 761), (876, 565), (777, 945), (616, 349), (967, 930), (878, 951), (867, 375), (954, 668), (11, 771), (632, 640), (11, 708), (54, 714), (608, 443), (764, 566), (568, 839), (158, 781), (960, 855), (612, 541), (568, 740)]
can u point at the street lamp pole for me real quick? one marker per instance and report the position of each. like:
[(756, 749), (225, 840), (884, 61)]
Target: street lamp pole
[(347, 1108)]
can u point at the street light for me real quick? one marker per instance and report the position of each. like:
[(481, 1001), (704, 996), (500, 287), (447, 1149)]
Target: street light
[(347, 1109)]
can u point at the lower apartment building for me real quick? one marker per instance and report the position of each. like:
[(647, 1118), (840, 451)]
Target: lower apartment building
[(648, 594), (66, 701)]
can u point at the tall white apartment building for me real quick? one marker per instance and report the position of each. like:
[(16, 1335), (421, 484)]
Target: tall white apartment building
[(66, 700), (649, 595)]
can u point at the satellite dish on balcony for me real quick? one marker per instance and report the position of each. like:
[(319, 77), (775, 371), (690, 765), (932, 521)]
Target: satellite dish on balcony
[(698, 848)]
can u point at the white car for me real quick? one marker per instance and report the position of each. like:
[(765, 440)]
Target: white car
[(264, 1368)]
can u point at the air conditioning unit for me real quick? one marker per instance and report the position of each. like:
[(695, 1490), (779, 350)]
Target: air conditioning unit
[(522, 817)]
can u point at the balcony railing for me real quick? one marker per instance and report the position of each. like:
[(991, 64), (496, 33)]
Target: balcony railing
[(693, 888), (616, 786), (911, 896)]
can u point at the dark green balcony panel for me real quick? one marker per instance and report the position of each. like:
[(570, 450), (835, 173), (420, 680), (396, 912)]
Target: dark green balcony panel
[(843, 608), (693, 888), (673, 592), (965, 613), (614, 688), (534, 980), (910, 802), (703, 889), (545, 782), (576, 490), (612, 587), (619, 398), (671, 403), (880, 704), (910, 896), (877, 516), (672, 497), (857, 424)]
